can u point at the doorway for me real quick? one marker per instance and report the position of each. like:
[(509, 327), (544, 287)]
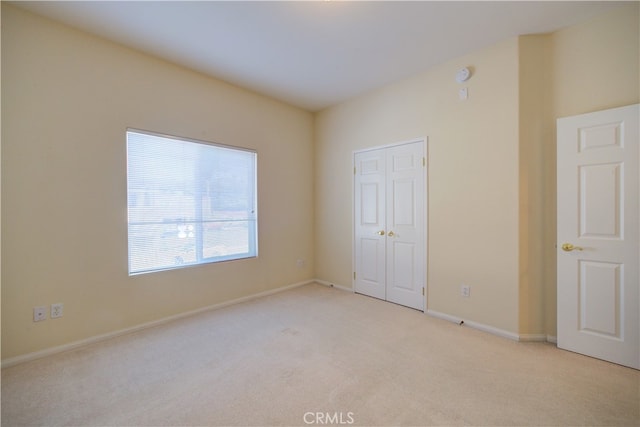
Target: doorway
[(390, 223)]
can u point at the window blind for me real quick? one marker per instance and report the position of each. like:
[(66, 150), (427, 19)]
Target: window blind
[(189, 202)]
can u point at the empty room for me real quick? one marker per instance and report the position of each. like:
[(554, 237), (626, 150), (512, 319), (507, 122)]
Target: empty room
[(320, 213)]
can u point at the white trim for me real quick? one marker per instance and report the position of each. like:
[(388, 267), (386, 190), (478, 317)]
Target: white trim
[(475, 325), (533, 338), (333, 285), (187, 139), (98, 338), (494, 331), (424, 139)]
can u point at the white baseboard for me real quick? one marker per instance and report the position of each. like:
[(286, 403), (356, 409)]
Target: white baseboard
[(333, 285), (533, 338), (91, 340), (493, 330), (475, 325)]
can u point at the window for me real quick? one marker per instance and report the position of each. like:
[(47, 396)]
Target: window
[(189, 202)]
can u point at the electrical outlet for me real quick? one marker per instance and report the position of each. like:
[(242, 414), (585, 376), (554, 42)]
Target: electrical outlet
[(465, 291), (56, 310), (39, 314), (300, 263)]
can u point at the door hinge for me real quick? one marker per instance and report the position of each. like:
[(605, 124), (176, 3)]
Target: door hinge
[(424, 162), (422, 291), (354, 170), (354, 275)]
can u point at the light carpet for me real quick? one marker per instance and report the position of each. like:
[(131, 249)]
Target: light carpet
[(311, 355)]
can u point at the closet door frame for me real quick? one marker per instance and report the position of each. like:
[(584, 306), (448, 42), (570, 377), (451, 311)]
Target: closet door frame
[(372, 236)]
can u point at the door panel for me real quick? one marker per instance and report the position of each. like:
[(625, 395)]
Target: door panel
[(369, 195), (599, 300), (600, 201), (598, 208), (370, 266), (402, 257), (403, 196)]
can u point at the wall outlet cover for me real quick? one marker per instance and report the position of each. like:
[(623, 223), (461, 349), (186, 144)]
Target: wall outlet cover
[(39, 314), (56, 310)]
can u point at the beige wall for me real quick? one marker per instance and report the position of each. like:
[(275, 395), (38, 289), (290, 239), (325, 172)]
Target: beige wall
[(491, 164), (594, 66), (534, 127), (472, 172), (67, 99)]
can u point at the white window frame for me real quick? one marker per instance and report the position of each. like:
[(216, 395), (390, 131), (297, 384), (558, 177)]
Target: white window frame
[(191, 229)]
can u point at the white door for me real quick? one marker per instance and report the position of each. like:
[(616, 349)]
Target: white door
[(389, 224), (598, 235), (370, 223)]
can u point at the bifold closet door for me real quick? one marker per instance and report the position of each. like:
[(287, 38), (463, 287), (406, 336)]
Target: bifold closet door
[(389, 223)]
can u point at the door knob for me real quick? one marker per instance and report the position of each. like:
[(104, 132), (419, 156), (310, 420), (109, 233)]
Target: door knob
[(391, 234), (380, 233), (568, 247)]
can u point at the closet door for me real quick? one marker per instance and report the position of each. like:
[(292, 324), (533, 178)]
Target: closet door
[(370, 223), (405, 225), (389, 224)]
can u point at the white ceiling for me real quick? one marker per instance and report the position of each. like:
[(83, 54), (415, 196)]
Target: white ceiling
[(314, 54)]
